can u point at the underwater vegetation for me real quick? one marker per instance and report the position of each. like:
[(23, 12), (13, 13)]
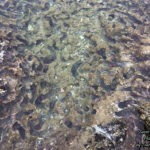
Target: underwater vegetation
[(74, 75)]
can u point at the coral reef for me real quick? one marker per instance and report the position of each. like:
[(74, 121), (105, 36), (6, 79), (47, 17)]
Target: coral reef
[(74, 74)]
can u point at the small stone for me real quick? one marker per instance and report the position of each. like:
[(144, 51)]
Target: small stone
[(66, 111), (78, 109), (52, 105), (47, 6), (25, 101), (34, 66), (122, 104), (45, 69), (28, 112), (39, 68), (79, 120), (43, 84), (38, 42), (48, 60), (93, 111), (30, 57), (30, 28), (78, 127), (61, 90), (19, 115), (1, 56), (68, 123), (86, 108), (102, 53), (93, 97), (6, 5), (143, 117), (21, 130)]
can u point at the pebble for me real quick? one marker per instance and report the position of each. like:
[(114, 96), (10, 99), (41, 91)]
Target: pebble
[(45, 69), (68, 123), (102, 53), (28, 112), (74, 68), (34, 66), (78, 127), (86, 108), (1, 130), (33, 89), (123, 104), (93, 97), (79, 120), (39, 68), (39, 42), (21, 130), (38, 101), (129, 73), (19, 115), (30, 57), (30, 28), (6, 5), (93, 111), (43, 84), (48, 60), (25, 101), (66, 111), (47, 6), (52, 105), (78, 109), (126, 103)]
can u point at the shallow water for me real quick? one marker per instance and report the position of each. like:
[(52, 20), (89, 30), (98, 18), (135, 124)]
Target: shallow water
[(65, 67)]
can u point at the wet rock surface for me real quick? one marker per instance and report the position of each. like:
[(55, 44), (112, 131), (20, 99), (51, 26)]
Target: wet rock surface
[(74, 74)]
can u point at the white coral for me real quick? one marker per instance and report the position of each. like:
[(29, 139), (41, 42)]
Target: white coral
[(2, 43), (102, 131), (1, 56)]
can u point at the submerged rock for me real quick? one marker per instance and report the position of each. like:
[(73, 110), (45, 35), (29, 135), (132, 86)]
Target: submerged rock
[(68, 123), (21, 130), (48, 60)]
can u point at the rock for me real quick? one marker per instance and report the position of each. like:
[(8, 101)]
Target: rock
[(21, 130), (30, 28), (48, 60), (93, 112), (68, 123)]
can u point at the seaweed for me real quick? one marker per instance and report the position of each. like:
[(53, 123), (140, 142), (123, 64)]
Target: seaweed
[(52, 105), (126, 113), (21, 130), (19, 38), (3, 14), (19, 115), (102, 52), (126, 103), (45, 69), (145, 71), (74, 68), (110, 87), (63, 36), (49, 19), (129, 74), (46, 6), (39, 67), (48, 59), (5, 121), (38, 101), (132, 18)]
